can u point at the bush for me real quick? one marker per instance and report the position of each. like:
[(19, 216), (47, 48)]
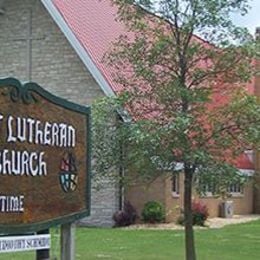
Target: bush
[(125, 217), (153, 212), (199, 213)]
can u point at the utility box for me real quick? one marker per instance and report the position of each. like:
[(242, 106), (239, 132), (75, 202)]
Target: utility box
[(227, 209)]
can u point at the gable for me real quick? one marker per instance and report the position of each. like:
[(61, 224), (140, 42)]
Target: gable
[(90, 27)]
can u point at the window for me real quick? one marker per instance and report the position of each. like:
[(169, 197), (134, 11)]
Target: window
[(207, 189), (235, 189), (176, 185)]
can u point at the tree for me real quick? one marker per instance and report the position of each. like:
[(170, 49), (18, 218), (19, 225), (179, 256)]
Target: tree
[(187, 96)]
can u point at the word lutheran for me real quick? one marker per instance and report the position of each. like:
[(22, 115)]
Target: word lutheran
[(34, 131)]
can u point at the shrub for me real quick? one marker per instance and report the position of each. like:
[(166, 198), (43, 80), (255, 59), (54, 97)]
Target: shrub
[(199, 213), (153, 212), (125, 217)]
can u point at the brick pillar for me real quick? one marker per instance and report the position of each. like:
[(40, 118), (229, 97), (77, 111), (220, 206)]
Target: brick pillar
[(257, 153)]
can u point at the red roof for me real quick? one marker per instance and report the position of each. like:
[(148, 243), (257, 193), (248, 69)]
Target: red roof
[(93, 24), (245, 161)]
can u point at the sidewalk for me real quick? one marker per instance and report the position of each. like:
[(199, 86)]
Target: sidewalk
[(210, 223), (221, 222)]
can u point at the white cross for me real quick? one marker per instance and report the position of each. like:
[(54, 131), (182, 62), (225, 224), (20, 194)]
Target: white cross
[(29, 40)]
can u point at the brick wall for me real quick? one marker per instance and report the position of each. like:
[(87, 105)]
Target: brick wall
[(56, 67), (138, 194), (161, 190)]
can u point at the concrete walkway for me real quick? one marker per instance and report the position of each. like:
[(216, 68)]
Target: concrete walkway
[(221, 222), (210, 223)]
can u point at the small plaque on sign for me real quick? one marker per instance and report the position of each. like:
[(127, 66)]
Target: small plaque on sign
[(24, 243)]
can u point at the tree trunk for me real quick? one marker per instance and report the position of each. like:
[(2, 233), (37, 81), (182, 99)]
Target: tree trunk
[(189, 234)]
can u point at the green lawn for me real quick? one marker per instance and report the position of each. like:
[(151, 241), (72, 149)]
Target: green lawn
[(235, 242)]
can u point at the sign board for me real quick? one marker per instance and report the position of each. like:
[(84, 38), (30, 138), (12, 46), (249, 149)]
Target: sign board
[(44, 158), (24, 243)]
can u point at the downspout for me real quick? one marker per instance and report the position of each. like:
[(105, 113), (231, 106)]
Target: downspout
[(257, 153), (121, 171)]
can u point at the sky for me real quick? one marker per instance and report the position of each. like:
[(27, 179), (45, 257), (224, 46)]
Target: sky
[(252, 19)]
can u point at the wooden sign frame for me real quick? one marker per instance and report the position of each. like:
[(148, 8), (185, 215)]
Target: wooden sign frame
[(25, 94)]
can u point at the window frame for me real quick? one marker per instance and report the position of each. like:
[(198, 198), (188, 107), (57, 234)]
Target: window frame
[(236, 190), (175, 185)]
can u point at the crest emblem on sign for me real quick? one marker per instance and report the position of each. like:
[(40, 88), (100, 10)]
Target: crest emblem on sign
[(68, 173)]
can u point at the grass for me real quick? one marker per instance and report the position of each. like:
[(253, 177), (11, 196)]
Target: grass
[(229, 243)]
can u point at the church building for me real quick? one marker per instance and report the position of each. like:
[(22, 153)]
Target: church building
[(60, 45)]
